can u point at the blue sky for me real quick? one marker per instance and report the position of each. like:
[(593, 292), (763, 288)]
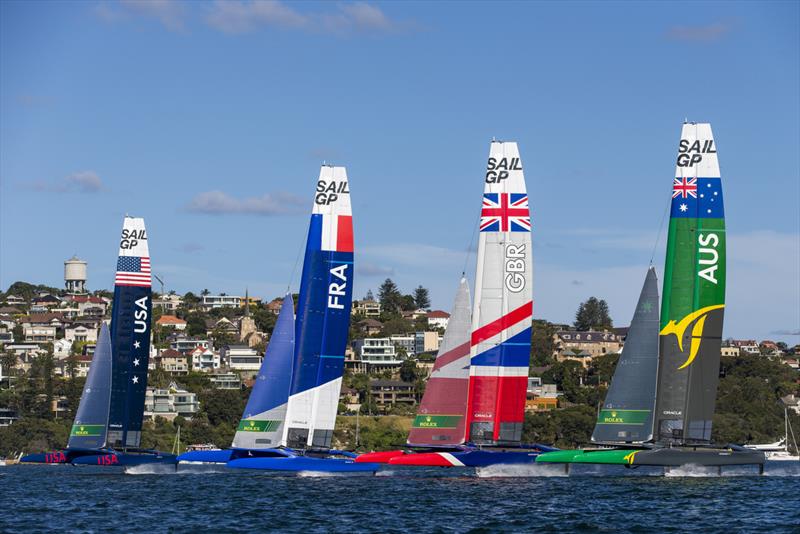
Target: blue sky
[(211, 120)]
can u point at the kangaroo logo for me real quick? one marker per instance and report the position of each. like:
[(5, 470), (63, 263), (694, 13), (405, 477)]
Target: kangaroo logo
[(698, 318)]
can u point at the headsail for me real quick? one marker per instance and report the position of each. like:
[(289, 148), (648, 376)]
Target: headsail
[(501, 320), (91, 419), (441, 417), (694, 293), (130, 335), (264, 416), (627, 413), (323, 315)]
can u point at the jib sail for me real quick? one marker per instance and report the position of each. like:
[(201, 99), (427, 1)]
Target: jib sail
[(91, 419), (441, 417), (627, 413)]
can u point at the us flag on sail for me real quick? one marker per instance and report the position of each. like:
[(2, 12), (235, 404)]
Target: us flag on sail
[(133, 271)]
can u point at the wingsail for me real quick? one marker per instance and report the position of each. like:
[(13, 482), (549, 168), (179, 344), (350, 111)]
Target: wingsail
[(501, 319), (91, 420), (441, 417), (627, 413), (130, 336), (323, 315), (262, 423), (693, 303)]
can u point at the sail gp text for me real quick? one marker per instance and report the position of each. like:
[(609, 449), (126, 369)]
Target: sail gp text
[(691, 154), (328, 192), (337, 289), (497, 171), (131, 238), (515, 267)]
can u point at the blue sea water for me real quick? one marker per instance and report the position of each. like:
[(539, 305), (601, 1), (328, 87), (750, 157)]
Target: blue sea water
[(509, 499)]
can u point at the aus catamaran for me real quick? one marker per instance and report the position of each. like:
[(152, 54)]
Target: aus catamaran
[(661, 415), (108, 423), (488, 428), (289, 418)]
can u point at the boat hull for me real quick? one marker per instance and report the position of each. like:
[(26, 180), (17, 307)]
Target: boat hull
[(659, 457), (126, 459), (380, 457), (304, 463), (471, 457), (216, 456)]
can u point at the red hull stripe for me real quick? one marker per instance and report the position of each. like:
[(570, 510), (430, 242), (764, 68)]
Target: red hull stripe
[(495, 327), (381, 457), (451, 356), (344, 234), (432, 459)]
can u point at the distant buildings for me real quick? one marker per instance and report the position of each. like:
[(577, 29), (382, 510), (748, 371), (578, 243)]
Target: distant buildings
[(391, 392), (168, 303), (170, 402), (583, 346), (75, 275), (210, 302), (438, 319), (366, 307), (171, 321), (241, 358)]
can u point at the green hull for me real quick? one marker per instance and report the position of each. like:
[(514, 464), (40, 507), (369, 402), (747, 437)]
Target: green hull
[(610, 456)]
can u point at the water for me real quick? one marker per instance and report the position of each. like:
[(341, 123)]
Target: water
[(533, 498)]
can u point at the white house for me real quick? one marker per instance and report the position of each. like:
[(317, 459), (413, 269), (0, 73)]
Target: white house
[(204, 360), (80, 332), (438, 319), (241, 358)]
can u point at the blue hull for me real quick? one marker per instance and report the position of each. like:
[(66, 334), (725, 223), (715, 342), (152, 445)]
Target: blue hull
[(126, 459), (304, 463), (207, 457), (470, 456)]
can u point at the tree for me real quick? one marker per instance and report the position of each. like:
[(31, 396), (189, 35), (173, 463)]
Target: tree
[(542, 344), (421, 298), (408, 371), (195, 325), (407, 303), (205, 292), (190, 300), (593, 314), (389, 296)]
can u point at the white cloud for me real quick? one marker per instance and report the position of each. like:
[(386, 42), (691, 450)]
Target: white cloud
[(709, 32), (171, 14), (370, 269), (238, 16), (78, 182), (219, 203)]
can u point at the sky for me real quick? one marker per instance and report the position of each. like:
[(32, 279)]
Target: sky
[(211, 119)]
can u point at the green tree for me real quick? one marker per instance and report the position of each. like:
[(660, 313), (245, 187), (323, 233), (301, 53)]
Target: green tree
[(190, 300), (408, 371), (389, 296), (407, 303), (422, 298), (542, 344), (593, 314), (195, 325), (222, 406)]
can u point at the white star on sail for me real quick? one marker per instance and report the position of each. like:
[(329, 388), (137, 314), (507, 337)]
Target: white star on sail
[(136, 362), (136, 344), (135, 379), (683, 207)]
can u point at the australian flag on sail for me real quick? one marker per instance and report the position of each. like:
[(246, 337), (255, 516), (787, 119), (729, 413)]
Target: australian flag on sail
[(504, 212), (697, 198), (133, 271)]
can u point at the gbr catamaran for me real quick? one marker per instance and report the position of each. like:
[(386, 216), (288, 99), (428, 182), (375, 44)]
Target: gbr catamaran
[(289, 419), (108, 423), (499, 340), (673, 426)]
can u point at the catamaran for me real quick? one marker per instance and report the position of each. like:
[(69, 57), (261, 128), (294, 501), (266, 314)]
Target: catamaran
[(499, 339), (673, 427), (288, 422), (108, 424)]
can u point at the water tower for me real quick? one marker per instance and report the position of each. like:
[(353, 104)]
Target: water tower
[(75, 275)]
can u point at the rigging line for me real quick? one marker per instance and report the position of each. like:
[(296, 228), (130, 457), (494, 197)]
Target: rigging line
[(475, 225), (660, 232)]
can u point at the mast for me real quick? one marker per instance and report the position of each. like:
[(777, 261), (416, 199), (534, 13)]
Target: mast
[(323, 315), (130, 336), (500, 343), (264, 416), (441, 418), (693, 303), (627, 413)]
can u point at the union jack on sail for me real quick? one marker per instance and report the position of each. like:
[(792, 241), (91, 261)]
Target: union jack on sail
[(133, 271), (504, 212), (684, 187)]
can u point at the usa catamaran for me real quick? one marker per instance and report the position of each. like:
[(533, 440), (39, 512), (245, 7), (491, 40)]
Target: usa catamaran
[(288, 422), (108, 424), (661, 415)]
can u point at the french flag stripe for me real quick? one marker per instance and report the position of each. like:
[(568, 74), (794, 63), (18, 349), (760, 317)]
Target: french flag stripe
[(344, 236)]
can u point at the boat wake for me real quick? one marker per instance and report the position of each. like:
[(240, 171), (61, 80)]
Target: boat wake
[(151, 469), (520, 470), (700, 471)]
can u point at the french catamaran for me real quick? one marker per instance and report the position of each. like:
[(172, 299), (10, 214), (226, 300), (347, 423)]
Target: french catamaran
[(673, 427), (499, 340), (288, 422), (108, 424)]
